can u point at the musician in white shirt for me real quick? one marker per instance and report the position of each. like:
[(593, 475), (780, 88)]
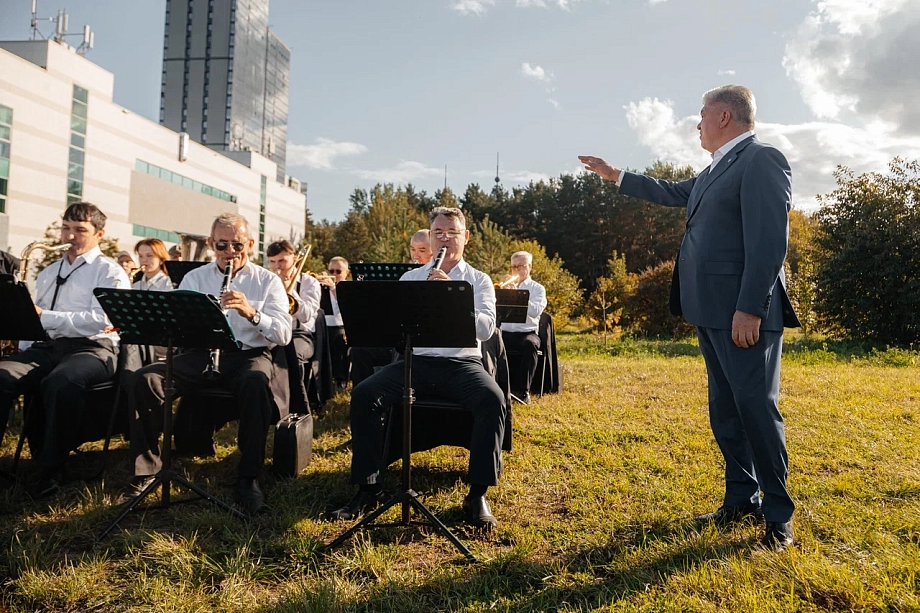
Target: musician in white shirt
[(306, 295), (79, 352), (523, 337), (337, 272), (152, 255), (257, 309), (451, 374)]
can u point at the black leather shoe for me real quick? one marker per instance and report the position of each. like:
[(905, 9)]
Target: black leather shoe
[(727, 516), (363, 502), (476, 512), (778, 535), (250, 495), (134, 489)]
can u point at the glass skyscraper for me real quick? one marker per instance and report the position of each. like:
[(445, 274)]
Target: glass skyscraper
[(226, 77)]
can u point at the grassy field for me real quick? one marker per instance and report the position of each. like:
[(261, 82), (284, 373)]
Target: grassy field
[(595, 509)]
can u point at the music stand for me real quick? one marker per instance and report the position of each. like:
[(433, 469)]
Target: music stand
[(380, 271), (177, 269), (511, 305), (388, 313), (190, 319), (18, 319)]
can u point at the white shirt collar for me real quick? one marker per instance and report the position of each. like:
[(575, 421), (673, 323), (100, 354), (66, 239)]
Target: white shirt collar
[(721, 151)]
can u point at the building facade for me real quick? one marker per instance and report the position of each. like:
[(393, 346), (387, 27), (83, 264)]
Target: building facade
[(226, 77), (63, 139)]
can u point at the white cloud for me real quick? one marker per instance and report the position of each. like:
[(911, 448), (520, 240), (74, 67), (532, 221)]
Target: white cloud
[(555, 103), (321, 154), (726, 72), (854, 58), (472, 7), (813, 149), (654, 2), (536, 72), (404, 172)]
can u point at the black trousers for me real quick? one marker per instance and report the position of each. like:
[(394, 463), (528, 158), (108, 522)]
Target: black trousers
[(365, 360), (247, 374), (463, 381), (61, 371), (303, 350), (526, 344), (339, 350)]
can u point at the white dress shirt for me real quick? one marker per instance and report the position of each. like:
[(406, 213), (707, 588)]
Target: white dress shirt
[(534, 307), (721, 151), (265, 293), (307, 303), (335, 319), (76, 313), (483, 307), (158, 283)]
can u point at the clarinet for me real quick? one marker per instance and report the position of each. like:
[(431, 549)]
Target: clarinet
[(438, 260), (212, 371)]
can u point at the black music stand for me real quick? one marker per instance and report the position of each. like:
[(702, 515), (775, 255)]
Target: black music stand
[(380, 271), (511, 308), (388, 313), (177, 269), (190, 319), (19, 320)]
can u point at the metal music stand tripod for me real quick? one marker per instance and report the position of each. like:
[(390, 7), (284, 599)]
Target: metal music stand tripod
[(419, 314), (189, 319)]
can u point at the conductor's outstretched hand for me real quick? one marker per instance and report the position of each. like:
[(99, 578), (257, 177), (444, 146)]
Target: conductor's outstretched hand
[(600, 167)]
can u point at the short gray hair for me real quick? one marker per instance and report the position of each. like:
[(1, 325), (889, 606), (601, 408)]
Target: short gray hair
[(451, 212), (231, 220), (523, 254), (738, 99)]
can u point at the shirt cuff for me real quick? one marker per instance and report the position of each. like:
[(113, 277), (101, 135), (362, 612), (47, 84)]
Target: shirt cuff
[(619, 180), (52, 319)]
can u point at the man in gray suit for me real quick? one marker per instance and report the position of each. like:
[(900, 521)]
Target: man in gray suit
[(728, 282)]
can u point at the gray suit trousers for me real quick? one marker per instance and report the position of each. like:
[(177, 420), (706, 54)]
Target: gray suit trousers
[(745, 419)]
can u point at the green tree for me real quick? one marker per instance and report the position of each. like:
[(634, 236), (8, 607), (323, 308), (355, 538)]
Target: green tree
[(607, 302), (391, 221), (869, 269), (647, 307), (801, 267), (489, 249)]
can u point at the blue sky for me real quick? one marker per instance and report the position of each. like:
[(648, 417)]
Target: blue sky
[(386, 90)]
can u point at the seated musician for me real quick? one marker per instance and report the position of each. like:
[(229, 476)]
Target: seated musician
[(366, 360), (174, 254), (79, 353), (522, 338), (306, 295), (257, 308), (338, 347), (126, 261), (9, 264), (151, 253), (449, 374)]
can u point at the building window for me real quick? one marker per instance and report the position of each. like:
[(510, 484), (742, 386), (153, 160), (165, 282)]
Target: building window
[(6, 133), (148, 232), (176, 179), (262, 194), (77, 158)]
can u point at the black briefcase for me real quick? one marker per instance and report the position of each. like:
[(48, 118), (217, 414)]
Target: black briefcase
[(293, 445)]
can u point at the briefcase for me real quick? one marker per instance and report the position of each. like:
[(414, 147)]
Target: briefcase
[(293, 445)]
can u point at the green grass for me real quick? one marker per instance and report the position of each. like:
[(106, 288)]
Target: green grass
[(595, 509)]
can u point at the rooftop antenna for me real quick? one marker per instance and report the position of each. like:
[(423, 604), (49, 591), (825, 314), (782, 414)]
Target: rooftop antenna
[(497, 178), (497, 190), (60, 29)]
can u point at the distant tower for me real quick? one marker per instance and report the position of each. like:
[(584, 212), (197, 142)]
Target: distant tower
[(497, 190), (226, 77)]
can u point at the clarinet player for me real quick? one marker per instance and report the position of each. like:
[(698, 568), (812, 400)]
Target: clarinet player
[(257, 309)]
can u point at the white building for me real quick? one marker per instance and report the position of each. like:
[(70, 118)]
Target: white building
[(62, 139)]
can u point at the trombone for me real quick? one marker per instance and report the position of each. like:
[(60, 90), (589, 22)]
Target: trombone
[(509, 282), (299, 262)]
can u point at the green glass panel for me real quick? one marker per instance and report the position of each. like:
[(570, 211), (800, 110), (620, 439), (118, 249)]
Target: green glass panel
[(77, 140), (79, 109), (140, 166), (75, 187), (150, 232), (6, 114), (4, 149), (4, 167), (174, 238), (3, 186), (177, 179), (166, 175), (196, 186), (75, 172), (163, 235), (76, 156), (80, 94), (186, 183), (2, 204), (5, 132), (137, 230), (71, 199), (78, 124)]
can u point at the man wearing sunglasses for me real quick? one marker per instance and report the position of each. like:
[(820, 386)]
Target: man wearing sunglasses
[(438, 373), (257, 309), (337, 271)]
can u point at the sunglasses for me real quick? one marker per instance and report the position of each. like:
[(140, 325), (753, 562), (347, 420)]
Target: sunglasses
[(335, 271), (223, 245)]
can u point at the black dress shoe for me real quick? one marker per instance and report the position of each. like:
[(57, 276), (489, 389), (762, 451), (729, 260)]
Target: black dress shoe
[(131, 491), (476, 512), (363, 502), (250, 495), (778, 535), (727, 516)]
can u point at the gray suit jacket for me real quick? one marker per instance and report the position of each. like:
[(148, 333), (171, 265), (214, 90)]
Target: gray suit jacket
[(731, 257)]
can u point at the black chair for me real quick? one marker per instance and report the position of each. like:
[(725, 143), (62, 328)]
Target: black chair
[(436, 423), (548, 376), (106, 395)]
